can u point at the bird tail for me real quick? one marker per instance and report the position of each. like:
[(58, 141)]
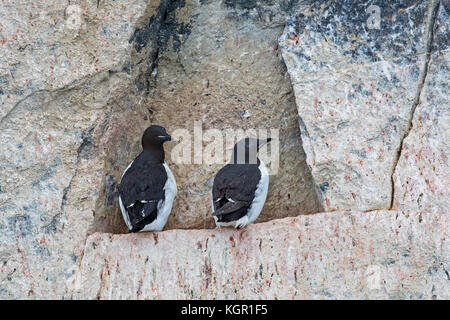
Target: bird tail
[(229, 207), (142, 214), (231, 211)]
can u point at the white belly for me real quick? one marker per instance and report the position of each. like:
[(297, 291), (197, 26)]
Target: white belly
[(125, 216), (164, 207)]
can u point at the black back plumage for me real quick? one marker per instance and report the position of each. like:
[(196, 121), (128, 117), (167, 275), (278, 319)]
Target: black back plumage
[(237, 182), (143, 186)]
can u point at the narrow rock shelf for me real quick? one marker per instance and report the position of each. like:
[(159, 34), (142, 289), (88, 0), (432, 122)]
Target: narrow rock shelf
[(351, 255)]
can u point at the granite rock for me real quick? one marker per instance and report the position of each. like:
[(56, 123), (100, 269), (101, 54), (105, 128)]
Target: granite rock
[(422, 175), (339, 255), (219, 67), (67, 87), (50, 45), (356, 84), (80, 82), (78, 85)]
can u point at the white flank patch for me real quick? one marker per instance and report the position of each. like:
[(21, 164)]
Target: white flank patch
[(124, 214), (126, 169), (122, 208), (164, 207)]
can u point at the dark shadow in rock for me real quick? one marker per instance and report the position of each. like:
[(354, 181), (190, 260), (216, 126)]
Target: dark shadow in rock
[(212, 63)]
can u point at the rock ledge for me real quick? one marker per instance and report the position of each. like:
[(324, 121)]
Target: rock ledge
[(339, 255)]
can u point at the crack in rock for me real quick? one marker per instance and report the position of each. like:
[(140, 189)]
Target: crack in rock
[(434, 8)]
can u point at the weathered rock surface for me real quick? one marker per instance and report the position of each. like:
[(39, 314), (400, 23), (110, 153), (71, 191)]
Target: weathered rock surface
[(353, 255), (218, 65), (79, 84), (422, 175), (50, 45), (356, 88), (65, 94)]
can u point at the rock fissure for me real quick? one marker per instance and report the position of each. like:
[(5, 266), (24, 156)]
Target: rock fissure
[(434, 8), (73, 85), (356, 93)]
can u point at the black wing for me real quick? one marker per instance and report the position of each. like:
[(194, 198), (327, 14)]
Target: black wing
[(233, 190), (141, 188)]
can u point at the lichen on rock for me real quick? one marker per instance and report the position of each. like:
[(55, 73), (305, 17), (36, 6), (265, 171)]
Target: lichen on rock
[(356, 88)]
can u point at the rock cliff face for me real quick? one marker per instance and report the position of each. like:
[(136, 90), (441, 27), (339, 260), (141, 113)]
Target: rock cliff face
[(68, 89), (421, 179), (363, 116), (356, 90)]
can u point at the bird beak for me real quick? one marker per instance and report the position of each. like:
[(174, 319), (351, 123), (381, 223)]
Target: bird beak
[(165, 138), (262, 142)]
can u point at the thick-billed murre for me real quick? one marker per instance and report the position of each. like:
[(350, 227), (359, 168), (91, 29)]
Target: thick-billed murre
[(147, 187), (240, 188)]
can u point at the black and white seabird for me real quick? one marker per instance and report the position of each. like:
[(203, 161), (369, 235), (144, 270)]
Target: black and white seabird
[(147, 187), (240, 187)]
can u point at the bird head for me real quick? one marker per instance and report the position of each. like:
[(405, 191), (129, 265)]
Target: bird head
[(246, 150), (154, 136)]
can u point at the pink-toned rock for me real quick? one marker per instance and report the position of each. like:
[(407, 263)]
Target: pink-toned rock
[(422, 175), (67, 87), (382, 254), (355, 89)]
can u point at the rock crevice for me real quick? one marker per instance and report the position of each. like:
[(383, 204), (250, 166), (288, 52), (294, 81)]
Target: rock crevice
[(434, 8)]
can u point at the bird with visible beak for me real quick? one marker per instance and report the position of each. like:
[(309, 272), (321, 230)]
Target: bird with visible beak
[(240, 187), (147, 187)]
